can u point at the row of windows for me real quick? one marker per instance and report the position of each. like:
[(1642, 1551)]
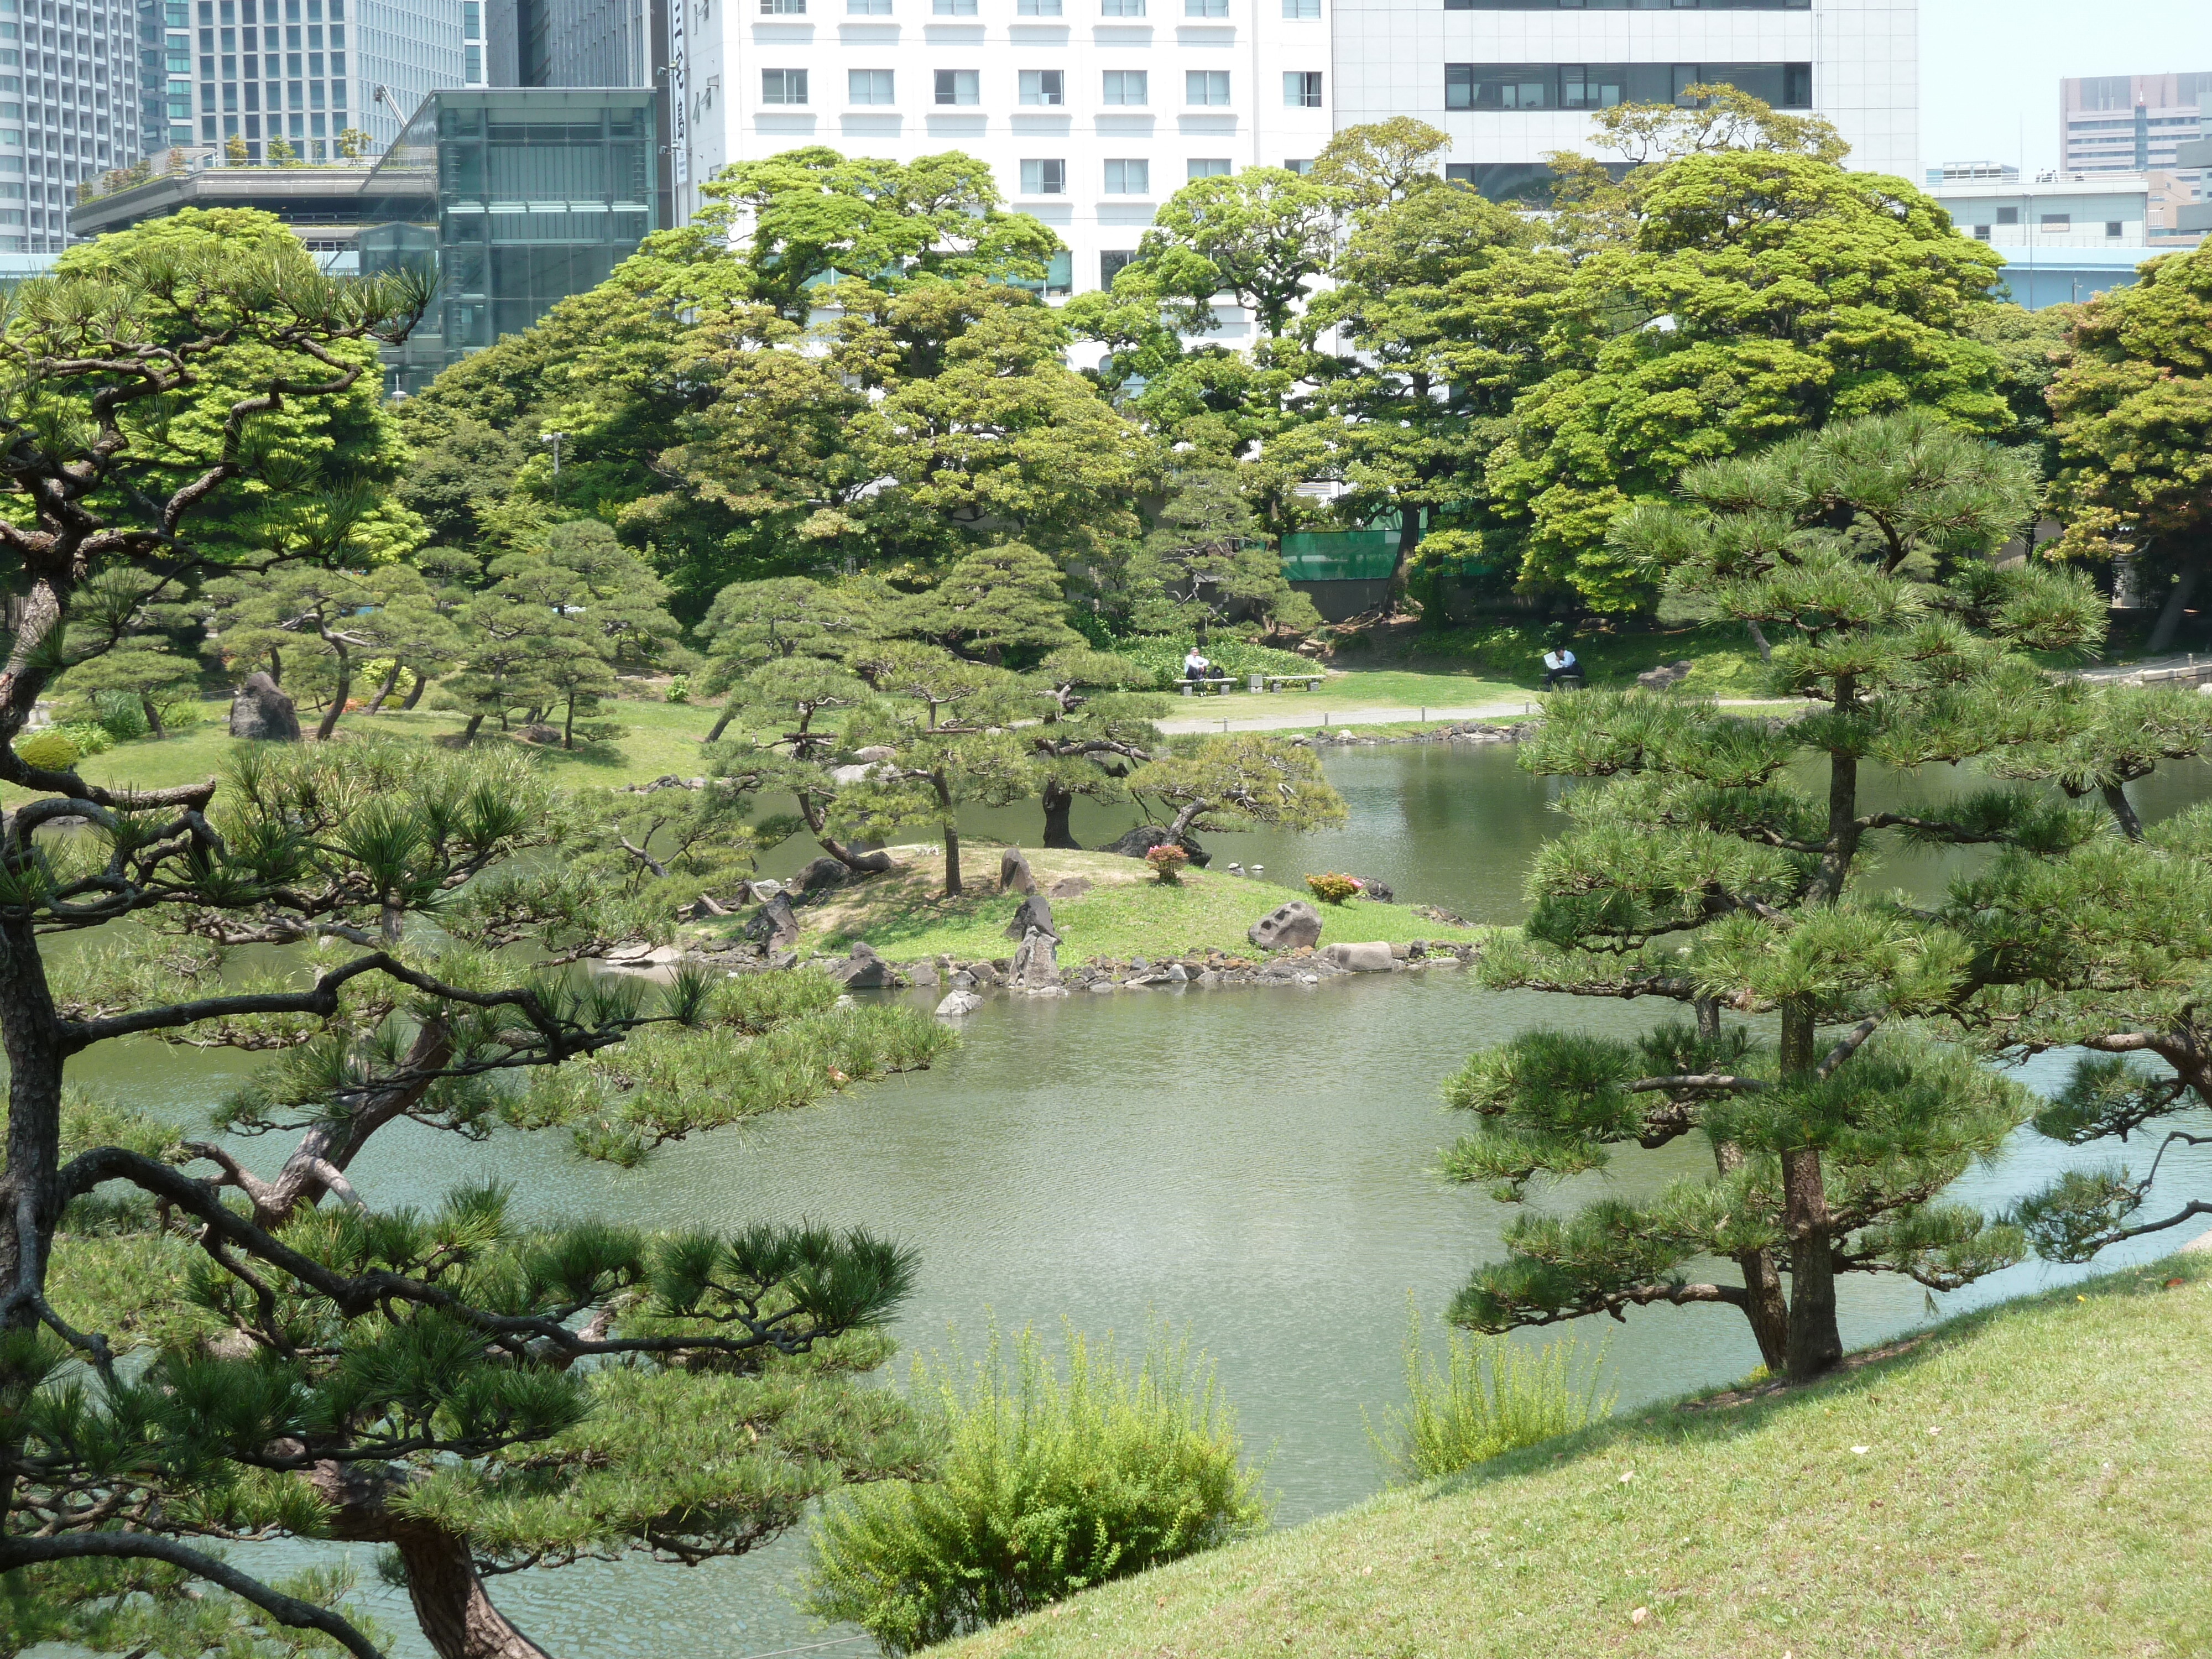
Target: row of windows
[(293, 65), (1201, 88), (300, 95), (294, 40), (2064, 221), (1126, 175), (228, 11), (1297, 10), (1601, 86)]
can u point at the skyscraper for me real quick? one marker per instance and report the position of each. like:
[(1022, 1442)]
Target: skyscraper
[(70, 108), (2127, 123)]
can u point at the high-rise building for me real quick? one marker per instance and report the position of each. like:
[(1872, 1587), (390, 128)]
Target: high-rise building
[(2128, 123), (70, 109), (309, 71)]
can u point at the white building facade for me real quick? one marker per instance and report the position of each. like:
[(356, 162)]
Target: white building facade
[(72, 106), (1091, 113)]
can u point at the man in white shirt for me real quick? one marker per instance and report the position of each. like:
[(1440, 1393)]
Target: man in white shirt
[(1559, 663), (1194, 667)]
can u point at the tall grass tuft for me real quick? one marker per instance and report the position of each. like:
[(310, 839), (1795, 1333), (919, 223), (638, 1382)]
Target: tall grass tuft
[(1490, 1396), (1046, 1484)]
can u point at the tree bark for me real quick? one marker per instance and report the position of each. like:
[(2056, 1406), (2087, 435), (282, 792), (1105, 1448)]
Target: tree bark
[(329, 722), (457, 1617), (1059, 809), (722, 721), (1765, 1305), (1758, 639), (866, 864), (2123, 810), (469, 731), (153, 717), (390, 684), (569, 725), (29, 1194), (2171, 616), (1814, 1343), (415, 691)]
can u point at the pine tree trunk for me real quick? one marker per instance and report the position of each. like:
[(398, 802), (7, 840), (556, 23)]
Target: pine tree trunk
[(951, 860), (154, 717), (31, 1032), (469, 731), (329, 720), (457, 1617), (275, 667), (1059, 809), (1766, 1306), (2123, 810), (384, 692), (1758, 639), (722, 721), (1814, 1343), (415, 691), (818, 821), (569, 725)]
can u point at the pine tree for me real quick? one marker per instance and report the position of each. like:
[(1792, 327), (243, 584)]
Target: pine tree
[(117, 644), (1240, 781), (1097, 729), (1700, 872), (750, 624)]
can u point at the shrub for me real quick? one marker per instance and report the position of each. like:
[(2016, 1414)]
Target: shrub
[(1167, 861), (51, 749), (679, 689), (121, 715), (1490, 1396), (90, 738), (1163, 656), (1332, 888), (1045, 1487)]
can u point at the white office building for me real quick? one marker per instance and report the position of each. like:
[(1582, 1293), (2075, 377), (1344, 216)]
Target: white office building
[(73, 106)]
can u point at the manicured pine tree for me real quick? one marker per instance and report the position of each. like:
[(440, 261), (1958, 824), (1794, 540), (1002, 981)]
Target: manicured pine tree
[(1097, 729), (1240, 781), (750, 624), (116, 645), (1716, 861)]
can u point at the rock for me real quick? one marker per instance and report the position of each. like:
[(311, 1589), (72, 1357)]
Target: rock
[(1146, 836), (702, 909), (767, 889), (1033, 916), (1376, 888), (861, 970), (820, 876), (923, 974), (1014, 875), (539, 734), (1036, 965), (1665, 677), (1101, 985), (1374, 957), (783, 959), (1286, 926), (958, 1005), (1068, 887), (1177, 973), (775, 925), (986, 973), (875, 754), (963, 981), (860, 773), (259, 709)]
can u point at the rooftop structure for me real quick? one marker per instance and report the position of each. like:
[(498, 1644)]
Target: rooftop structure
[(2112, 209)]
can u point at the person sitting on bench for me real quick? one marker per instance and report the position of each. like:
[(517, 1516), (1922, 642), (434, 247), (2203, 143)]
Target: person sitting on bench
[(1195, 667), (1559, 663)]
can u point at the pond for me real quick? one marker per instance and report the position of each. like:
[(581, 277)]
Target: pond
[(1250, 1164)]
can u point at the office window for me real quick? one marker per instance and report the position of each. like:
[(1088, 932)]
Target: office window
[(783, 86), (1120, 8), (867, 7), (1981, 232), (1206, 8), (1046, 87), (783, 7), (1205, 88), (1302, 89), (1126, 87), (1302, 10), (1036, 8), (1129, 177), (2058, 221), (1207, 167), (2008, 216), (952, 8), (2112, 227), (1600, 86), (1592, 86), (868, 86), (1501, 86), (1111, 265), (959, 86), (1044, 178), (1302, 165)]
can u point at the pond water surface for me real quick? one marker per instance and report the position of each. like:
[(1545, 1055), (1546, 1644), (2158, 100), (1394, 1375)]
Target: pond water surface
[(1251, 1164)]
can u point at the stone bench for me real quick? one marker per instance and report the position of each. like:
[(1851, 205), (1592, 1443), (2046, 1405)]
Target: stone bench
[(1277, 681), (1208, 687)]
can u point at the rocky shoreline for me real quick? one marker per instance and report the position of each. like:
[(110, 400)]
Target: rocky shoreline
[(1477, 731)]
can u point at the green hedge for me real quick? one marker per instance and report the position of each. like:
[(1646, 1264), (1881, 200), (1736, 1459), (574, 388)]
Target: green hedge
[(1163, 657)]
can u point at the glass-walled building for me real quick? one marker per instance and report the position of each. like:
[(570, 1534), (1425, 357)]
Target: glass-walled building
[(516, 197)]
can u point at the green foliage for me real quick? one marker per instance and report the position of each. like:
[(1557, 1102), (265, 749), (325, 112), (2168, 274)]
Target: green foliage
[(1045, 1485), (53, 748), (1161, 657), (1238, 780), (1332, 888), (1489, 1397), (1167, 861)]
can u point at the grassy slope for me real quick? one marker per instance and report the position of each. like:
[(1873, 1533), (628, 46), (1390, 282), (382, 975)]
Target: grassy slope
[(2033, 1482), (1126, 914)]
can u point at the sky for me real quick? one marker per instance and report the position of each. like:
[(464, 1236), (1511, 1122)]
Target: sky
[(1991, 67)]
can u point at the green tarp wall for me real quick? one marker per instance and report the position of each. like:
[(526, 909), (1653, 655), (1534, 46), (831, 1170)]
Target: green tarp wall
[(1340, 555)]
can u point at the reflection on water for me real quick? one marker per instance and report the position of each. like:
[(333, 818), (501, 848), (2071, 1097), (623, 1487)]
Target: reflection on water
[(1250, 1163)]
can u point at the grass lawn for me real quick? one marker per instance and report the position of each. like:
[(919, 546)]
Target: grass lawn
[(2031, 1479), (658, 738), (1126, 913)]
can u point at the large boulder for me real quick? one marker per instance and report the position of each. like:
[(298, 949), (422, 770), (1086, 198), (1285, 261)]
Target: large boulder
[(820, 876), (538, 732), (1037, 962), (1014, 876), (958, 1005), (1034, 916), (1371, 956), (875, 753), (1146, 836), (775, 926), (260, 710), (1666, 676), (1376, 888), (861, 970), (1069, 887), (1287, 927)]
